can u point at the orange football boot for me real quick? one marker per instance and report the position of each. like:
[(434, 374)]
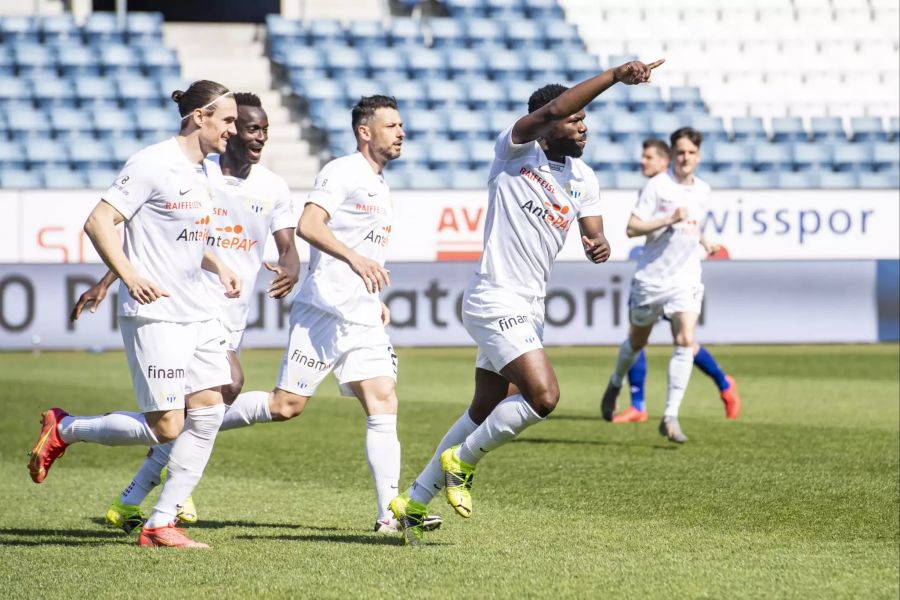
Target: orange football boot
[(49, 446), (630, 415), (731, 399), (167, 537)]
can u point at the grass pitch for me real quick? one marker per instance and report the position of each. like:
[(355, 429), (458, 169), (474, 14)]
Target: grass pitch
[(797, 499)]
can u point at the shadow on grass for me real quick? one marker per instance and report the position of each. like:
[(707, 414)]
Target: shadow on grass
[(61, 537), (550, 441), (555, 417), (369, 540)]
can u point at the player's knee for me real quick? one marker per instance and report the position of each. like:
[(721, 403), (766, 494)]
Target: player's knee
[(167, 431), (382, 404), (287, 406), (545, 399), (684, 339)]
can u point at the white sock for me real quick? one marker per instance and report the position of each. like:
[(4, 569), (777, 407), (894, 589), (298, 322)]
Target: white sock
[(509, 419), (189, 456), (680, 366), (383, 456), (431, 480), (624, 361), (248, 408), (148, 476), (114, 429)]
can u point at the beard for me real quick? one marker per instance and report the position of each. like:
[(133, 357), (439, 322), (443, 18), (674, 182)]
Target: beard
[(565, 147)]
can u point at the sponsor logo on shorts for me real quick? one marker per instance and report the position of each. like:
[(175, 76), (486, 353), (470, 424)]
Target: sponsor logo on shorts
[(154, 372), (308, 361), (231, 237), (507, 323)]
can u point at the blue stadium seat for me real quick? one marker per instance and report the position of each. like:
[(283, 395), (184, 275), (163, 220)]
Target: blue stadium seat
[(357, 88), (731, 157), (803, 180), (757, 181), (135, 91), (18, 179), (612, 100), (69, 122), (842, 181), (156, 123), (543, 65), (748, 129), (467, 125), (409, 94), (27, 124), (772, 157), (441, 93), (481, 154), (886, 156), (628, 128), (894, 128), (331, 119), (629, 180), (367, 35), (426, 64), (63, 179), (505, 65), (45, 152), (788, 129), (644, 98), (499, 120), (447, 33), (481, 32), (113, 123), (663, 124), (7, 63), (606, 180), (465, 63), (420, 178), (53, 93), (424, 124), (12, 156), (144, 27), (33, 57), (343, 62), (404, 31), (158, 61), (123, 148), (827, 129), (561, 36), (811, 156), (326, 32), (466, 179), (581, 65), (57, 28), (387, 65), (543, 10), (611, 157), (523, 33), (868, 129), (504, 9), (723, 180), (278, 29), (78, 61), (102, 28), (879, 181), (19, 29), (95, 90), (322, 91), (686, 98), (466, 8), (447, 154), (100, 179), (485, 94), (853, 157)]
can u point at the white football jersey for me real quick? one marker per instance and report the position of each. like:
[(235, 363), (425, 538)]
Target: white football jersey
[(166, 201), (246, 212), (358, 202), (532, 204), (672, 255)]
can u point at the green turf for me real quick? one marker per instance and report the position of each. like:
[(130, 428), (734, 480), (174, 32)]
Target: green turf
[(797, 499)]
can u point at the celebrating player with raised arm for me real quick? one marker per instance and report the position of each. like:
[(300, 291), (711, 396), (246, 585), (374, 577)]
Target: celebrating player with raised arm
[(655, 160), (667, 281), (537, 187), (174, 344), (250, 203)]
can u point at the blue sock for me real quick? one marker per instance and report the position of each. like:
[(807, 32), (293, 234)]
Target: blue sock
[(637, 375), (705, 361)]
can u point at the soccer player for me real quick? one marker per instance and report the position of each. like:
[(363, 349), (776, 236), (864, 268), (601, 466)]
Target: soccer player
[(667, 281), (175, 348), (538, 185), (655, 160), (251, 201)]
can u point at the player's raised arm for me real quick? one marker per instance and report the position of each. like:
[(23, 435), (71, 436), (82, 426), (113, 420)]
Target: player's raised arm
[(535, 124)]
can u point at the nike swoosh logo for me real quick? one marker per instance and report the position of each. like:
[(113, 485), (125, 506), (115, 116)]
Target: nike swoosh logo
[(482, 449), (436, 486), (372, 195), (180, 193)]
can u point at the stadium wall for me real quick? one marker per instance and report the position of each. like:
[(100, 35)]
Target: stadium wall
[(746, 302)]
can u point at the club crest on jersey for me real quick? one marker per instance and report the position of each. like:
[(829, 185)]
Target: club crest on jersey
[(257, 205), (575, 189)]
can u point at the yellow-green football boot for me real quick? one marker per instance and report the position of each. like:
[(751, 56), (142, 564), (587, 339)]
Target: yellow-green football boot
[(187, 511), (458, 478), (126, 517)]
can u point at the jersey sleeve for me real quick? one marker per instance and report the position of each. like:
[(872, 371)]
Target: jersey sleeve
[(283, 211), (505, 149), (591, 207), (330, 189), (647, 203), (132, 188)]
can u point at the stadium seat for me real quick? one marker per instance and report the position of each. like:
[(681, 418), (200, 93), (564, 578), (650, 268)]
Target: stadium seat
[(27, 124), (386, 65), (69, 122), (465, 63), (561, 36), (447, 33), (731, 157), (853, 157), (45, 152), (424, 124), (611, 157), (90, 154), (19, 29), (446, 154), (57, 28), (467, 125), (712, 128), (94, 90), (466, 8), (367, 35), (523, 34), (154, 124), (466, 179), (481, 154), (685, 98), (12, 156), (102, 28), (629, 180), (483, 32), (63, 179), (723, 180), (886, 156), (760, 181), (499, 120), (827, 129), (894, 129), (867, 129), (409, 94), (663, 124), (505, 65), (326, 32), (644, 98), (344, 62), (144, 27), (798, 180), (846, 180), (135, 92), (772, 157), (748, 129), (811, 156), (441, 93), (17, 179), (628, 128), (420, 178), (543, 10), (581, 65), (426, 64), (883, 181), (482, 95), (158, 61), (56, 92), (405, 32)]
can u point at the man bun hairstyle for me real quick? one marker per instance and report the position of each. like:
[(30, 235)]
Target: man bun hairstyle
[(659, 145), (542, 96), (201, 94), (365, 109), (686, 132), (247, 99)]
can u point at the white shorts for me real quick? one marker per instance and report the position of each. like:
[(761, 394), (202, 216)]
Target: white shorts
[(321, 342), (647, 305), (504, 324), (170, 360), (235, 338)]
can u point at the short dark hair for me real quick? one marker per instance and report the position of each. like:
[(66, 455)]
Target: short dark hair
[(658, 144), (542, 96), (366, 107), (686, 132), (247, 99)]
